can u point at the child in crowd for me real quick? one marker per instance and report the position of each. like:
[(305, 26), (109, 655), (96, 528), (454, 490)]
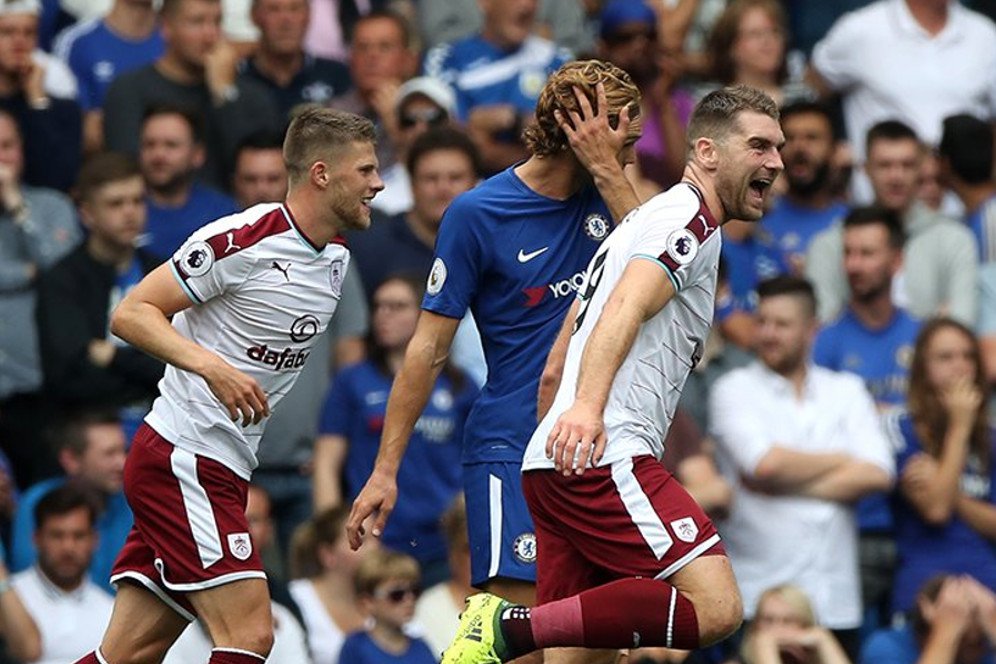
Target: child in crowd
[(387, 584)]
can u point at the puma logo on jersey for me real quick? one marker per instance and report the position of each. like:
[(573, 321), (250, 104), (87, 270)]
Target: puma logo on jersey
[(525, 258), (276, 266), (230, 236)]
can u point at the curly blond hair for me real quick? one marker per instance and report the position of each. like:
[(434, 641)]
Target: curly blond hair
[(545, 137)]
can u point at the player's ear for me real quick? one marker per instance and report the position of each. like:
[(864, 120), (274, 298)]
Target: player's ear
[(706, 152), (320, 174)]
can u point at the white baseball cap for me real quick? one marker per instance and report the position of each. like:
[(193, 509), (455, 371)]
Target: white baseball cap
[(437, 91), (8, 7)]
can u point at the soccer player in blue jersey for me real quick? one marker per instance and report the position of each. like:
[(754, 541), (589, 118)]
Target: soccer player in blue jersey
[(513, 250)]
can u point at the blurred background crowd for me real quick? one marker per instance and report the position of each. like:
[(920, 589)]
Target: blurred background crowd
[(836, 428)]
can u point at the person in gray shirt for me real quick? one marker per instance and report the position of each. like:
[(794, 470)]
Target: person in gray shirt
[(37, 228), (198, 71), (940, 258)]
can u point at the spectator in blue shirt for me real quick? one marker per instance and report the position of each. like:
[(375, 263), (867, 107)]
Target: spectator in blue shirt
[(353, 416), (874, 339), (810, 205), (99, 50), (966, 156), (945, 506), (91, 451), (170, 154), (954, 621), (497, 75), (387, 583)]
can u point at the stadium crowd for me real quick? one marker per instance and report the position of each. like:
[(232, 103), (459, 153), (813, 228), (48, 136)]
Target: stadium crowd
[(836, 427)]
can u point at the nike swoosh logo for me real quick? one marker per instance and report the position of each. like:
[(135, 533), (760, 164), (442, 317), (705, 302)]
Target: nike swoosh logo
[(525, 258)]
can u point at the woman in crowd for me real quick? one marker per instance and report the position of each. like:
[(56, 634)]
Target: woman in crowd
[(353, 416), (747, 46), (784, 631), (323, 567), (945, 502)]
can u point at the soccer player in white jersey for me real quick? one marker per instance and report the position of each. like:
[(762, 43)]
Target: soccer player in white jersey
[(626, 556), (248, 295)]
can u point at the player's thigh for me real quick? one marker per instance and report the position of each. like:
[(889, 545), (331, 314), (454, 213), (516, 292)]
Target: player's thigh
[(142, 628), (236, 614), (579, 656), (708, 582)]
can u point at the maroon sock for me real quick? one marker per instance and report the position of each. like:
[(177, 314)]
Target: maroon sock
[(234, 656), (623, 614), (89, 658), (517, 631)]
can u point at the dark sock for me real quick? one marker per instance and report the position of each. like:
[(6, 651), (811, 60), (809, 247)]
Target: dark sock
[(516, 631), (624, 614), (234, 656)]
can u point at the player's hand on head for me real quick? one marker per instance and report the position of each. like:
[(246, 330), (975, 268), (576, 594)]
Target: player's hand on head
[(594, 141), (240, 394), (376, 499), (577, 440)]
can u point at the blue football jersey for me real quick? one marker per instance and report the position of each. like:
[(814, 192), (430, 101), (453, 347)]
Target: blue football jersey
[(790, 228), (881, 357), (482, 74), (516, 259), (97, 56)]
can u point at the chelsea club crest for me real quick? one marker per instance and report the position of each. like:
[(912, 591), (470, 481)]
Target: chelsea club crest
[(596, 226)]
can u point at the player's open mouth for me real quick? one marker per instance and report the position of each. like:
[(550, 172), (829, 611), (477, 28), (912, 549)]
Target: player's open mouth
[(366, 201), (759, 187)]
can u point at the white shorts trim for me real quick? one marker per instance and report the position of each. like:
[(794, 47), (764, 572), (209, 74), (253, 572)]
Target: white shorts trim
[(154, 588), (197, 505), (495, 517), (209, 583), (670, 616), (689, 557), (640, 509), (247, 653)]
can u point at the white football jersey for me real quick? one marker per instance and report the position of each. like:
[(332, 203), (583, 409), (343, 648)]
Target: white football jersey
[(263, 294), (675, 230)]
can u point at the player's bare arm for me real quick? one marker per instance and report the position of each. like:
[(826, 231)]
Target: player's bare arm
[(600, 149), (578, 437), (143, 320), (424, 360), (553, 371)]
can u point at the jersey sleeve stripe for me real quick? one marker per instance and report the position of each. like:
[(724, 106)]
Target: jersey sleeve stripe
[(671, 272), (183, 283), (230, 241)]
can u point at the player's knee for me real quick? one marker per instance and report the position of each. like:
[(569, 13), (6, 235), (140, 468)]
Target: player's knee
[(258, 640), (719, 617)]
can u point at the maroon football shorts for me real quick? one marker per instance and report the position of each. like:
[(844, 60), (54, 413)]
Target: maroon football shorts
[(630, 519), (190, 531)]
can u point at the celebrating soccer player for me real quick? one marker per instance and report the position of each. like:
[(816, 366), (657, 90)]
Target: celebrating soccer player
[(513, 251), (626, 556), (249, 294)]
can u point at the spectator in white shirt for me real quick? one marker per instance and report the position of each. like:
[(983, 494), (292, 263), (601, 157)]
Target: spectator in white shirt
[(800, 444), (70, 611), (867, 55)]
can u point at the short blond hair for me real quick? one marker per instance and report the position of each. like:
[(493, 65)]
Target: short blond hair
[(545, 137), (382, 565), (317, 133)]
